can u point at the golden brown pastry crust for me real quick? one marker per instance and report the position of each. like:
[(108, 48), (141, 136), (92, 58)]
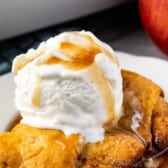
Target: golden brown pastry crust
[(43, 148), (160, 123), (9, 151), (116, 150), (145, 93), (38, 148)]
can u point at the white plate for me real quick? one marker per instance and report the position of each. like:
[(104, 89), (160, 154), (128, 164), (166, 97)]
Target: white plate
[(153, 68)]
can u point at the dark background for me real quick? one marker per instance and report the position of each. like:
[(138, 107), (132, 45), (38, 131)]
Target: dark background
[(119, 26)]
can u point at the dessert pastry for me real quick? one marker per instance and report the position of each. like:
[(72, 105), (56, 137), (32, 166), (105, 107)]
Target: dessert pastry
[(27, 146), (121, 147), (80, 111), (141, 96), (31, 147)]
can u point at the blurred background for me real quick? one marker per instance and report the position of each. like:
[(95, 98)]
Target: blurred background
[(24, 24)]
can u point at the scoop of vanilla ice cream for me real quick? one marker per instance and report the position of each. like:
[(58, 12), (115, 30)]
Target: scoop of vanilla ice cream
[(71, 82)]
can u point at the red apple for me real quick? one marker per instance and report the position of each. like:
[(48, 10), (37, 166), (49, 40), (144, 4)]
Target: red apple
[(154, 16)]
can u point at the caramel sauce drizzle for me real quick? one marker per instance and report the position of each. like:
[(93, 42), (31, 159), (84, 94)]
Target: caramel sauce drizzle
[(36, 93), (97, 77), (80, 57)]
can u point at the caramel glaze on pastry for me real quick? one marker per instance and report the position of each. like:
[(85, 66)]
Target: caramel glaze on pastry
[(142, 136)]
